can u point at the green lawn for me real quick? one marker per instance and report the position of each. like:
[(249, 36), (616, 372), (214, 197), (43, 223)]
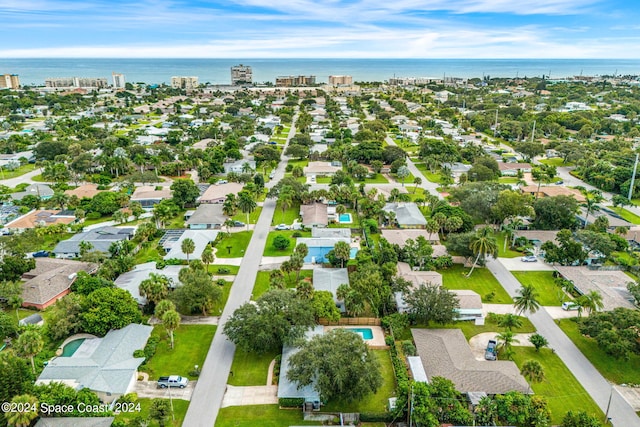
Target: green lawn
[(179, 409), (561, 389), (217, 308), (290, 214), (373, 403), (261, 415), (253, 216), (269, 250), (323, 179), (543, 282), (233, 269), (50, 241), (470, 329), (191, 346), (87, 222), (237, 242), (615, 370), (502, 253), (629, 216), (8, 174), (508, 180), (262, 282), (481, 281), (250, 368), (298, 162), (555, 161), (377, 179), (148, 252)]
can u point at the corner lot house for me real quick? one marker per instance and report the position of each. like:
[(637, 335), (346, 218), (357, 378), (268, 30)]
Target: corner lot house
[(100, 240), (408, 215), (105, 365), (51, 280)]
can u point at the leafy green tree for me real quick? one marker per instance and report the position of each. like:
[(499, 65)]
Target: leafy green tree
[(580, 419), (188, 246), (12, 268), (185, 192), (27, 411), (529, 150), (65, 317), (439, 403), (538, 341), (28, 344), (8, 326), (324, 306), (403, 173), (11, 291), (171, 321), (198, 293), (527, 299), (281, 242), (432, 303), (482, 245), (555, 213), (532, 370), (160, 411), (339, 364), (162, 307), (108, 308), (276, 318), (85, 283)]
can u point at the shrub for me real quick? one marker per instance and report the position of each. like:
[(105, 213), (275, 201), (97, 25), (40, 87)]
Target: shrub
[(490, 296), (281, 242), (128, 398), (221, 282), (224, 270), (408, 348), (150, 348), (94, 215), (296, 234), (290, 402)]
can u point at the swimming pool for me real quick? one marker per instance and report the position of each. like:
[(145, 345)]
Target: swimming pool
[(318, 254), (71, 347), (365, 333), (345, 218)]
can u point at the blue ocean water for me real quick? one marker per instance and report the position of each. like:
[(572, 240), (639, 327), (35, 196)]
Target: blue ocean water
[(216, 71)]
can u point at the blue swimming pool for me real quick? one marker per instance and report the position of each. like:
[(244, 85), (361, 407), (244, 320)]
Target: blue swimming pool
[(318, 254), (71, 347), (345, 218), (365, 333)]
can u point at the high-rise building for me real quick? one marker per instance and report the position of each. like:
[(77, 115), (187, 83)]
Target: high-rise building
[(64, 82), (283, 81), (340, 80), (10, 81), (241, 74), (181, 82), (118, 80)]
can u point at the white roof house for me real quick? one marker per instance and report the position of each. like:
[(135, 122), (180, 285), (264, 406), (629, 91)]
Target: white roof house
[(408, 215), (329, 279), (201, 238)]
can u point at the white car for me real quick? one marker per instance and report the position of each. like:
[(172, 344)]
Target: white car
[(282, 227), (529, 258)]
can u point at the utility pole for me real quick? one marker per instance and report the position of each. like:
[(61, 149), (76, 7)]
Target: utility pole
[(633, 177), (533, 133)]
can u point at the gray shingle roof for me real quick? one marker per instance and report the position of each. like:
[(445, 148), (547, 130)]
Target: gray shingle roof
[(101, 238), (75, 422), (106, 366), (207, 214), (287, 388), (50, 278), (446, 353), (407, 214)]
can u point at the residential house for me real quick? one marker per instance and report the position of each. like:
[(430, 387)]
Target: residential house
[(106, 366), (610, 284), (314, 215), (553, 191), (149, 196), (50, 280), (201, 238), (42, 191), (240, 166), (217, 193), (400, 236), (8, 213), (206, 217), (40, 218), (322, 168), (291, 389), (100, 239), (320, 246), (407, 215), (612, 217), (86, 190), (130, 281), (511, 169), (329, 279)]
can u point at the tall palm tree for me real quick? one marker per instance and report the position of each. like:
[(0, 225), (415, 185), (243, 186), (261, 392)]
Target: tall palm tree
[(507, 339), (229, 206), (482, 245), (532, 370), (527, 300), (171, 321), (155, 288), (510, 321), (188, 246), (592, 198), (28, 344), (207, 256), (285, 198), (24, 415), (591, 301), (246, 203), (305, 289)]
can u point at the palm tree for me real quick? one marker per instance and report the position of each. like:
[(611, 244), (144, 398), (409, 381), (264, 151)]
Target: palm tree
[(276, 279), (25, 413), (483, 244), (171, 321), (246, 203), (305, 289), (452, 224), (507, 339), (155, 288), (29, 343), (417, 181), (340, 209), (527, 300), (532, 370), (592, 198), (228, 224), (342, 251), (591, 301), (188, 246), (432, 227), (285, 198), (510, 321), (59, 199), (207, 256), (162, 307), (229, 207)]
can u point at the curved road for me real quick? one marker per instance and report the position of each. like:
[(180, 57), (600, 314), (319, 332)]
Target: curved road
[(209, 390), (620, 412)]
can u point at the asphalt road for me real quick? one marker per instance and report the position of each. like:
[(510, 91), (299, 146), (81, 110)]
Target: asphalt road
[(426, 184), (207, 395), (620, 412)]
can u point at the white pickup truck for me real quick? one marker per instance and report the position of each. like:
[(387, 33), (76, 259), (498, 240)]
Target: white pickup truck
[(173, 381)]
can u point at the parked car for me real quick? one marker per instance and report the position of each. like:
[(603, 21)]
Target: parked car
[(491, 353), (273, 143), (272, 174), (282, 227), (529, 258), (569, 306), (173, 381), (238, 224), (222, 181), (41, 254), (559, 182)]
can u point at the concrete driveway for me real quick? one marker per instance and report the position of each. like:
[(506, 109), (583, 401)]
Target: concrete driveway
[(150, 389), (515, 264), (478, 343), (250, 395)]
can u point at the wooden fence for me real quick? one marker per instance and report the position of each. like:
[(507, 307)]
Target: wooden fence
[(351, 321)]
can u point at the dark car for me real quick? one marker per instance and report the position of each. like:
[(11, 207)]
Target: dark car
[(491, 353), (273, 143), (238, 224), (41, 254)]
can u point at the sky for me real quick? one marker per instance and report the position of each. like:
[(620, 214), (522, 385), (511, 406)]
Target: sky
[(320, 29)]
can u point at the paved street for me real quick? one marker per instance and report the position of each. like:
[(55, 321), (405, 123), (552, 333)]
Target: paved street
[(426, 184), (150, 389), (621, 413)]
